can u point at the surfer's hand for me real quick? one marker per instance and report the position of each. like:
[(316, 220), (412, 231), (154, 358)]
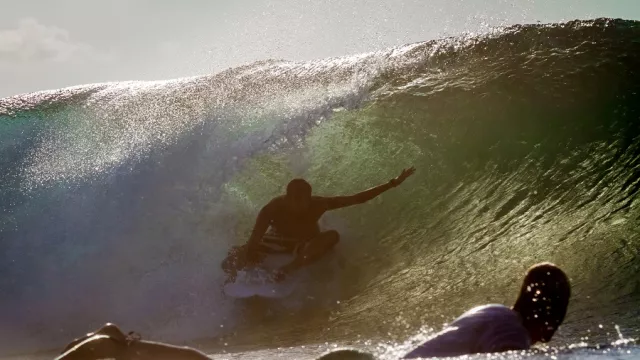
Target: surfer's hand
[(252, 257), (279, 276), (403, 176)]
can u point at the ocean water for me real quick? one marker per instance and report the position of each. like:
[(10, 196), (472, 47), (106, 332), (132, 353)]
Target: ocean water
[(118, 201)]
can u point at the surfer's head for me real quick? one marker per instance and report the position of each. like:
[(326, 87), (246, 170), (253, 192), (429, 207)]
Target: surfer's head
[(299, 194), (543, 300)]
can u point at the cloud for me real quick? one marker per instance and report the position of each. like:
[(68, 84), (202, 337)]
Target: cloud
[(169, 48), (34, 42)]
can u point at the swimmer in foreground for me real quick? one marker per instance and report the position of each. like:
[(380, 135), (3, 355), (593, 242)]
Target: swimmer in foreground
[(535, 317), (293, 219), (109, 342)]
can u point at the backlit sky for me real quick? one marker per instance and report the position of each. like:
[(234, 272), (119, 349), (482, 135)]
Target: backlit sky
[(56, 43)]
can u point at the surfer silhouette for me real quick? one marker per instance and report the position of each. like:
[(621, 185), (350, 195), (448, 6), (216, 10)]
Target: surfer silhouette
[(292, 221), (535, 317)]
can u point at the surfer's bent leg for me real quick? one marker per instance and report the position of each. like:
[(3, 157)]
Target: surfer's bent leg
[(237, 257), (313, 250)]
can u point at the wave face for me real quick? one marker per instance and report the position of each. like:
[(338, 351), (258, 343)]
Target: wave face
[(118, 201)]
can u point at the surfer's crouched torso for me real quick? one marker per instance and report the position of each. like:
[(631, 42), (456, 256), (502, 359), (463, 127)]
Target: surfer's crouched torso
[(289, 231), (300, 225)]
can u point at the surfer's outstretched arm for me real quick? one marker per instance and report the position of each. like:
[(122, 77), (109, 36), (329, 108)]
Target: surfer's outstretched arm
[(338, 202)]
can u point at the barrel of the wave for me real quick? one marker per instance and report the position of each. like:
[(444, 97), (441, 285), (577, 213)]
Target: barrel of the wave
[(528, 138)]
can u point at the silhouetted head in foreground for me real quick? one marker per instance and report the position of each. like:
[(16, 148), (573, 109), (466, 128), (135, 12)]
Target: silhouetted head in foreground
[(298, 195), (543, 300), (346, 354)]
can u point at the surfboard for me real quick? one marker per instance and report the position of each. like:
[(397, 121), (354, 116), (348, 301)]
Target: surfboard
[(259, 282)]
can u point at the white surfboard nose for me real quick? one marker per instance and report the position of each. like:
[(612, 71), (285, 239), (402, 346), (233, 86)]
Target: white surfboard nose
[(259, 282)]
